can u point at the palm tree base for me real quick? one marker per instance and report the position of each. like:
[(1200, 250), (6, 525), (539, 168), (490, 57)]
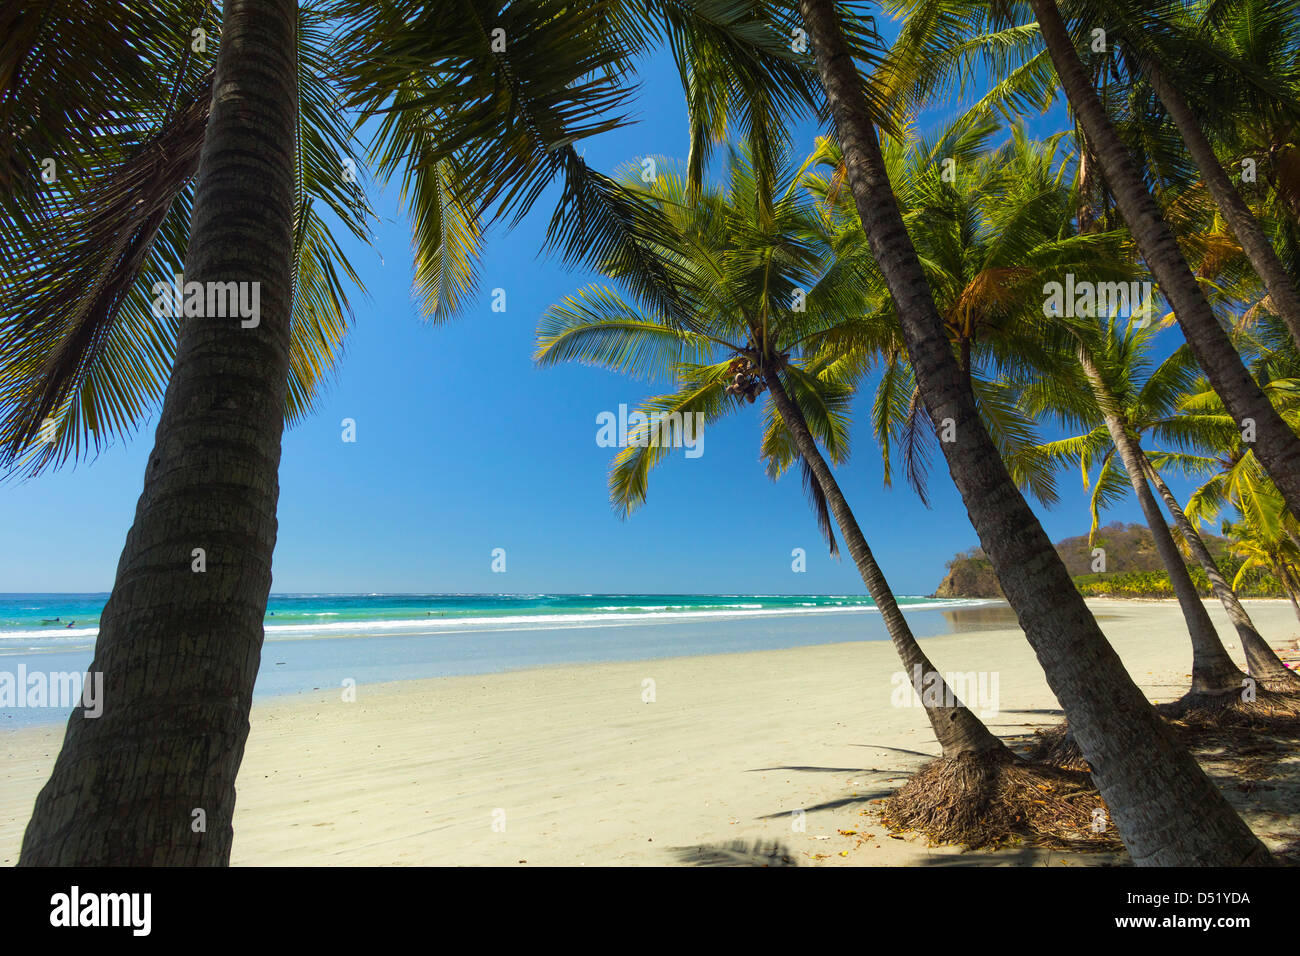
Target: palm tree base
[(1283, 685), (1056, 746), (1192, 717), (992, 799), (1270, 711)]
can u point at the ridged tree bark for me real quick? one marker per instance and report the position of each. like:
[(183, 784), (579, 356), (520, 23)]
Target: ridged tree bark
[(1166, 809), (1088, 215), (1264, 665), (957, 729), (179, 648), (1276, 446), (1281, 286), (1213, 671)]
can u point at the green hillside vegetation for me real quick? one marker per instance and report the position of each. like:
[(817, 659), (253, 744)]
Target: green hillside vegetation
[(1132, 565)]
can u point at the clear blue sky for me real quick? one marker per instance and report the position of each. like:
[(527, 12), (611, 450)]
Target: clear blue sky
[(463, 446)]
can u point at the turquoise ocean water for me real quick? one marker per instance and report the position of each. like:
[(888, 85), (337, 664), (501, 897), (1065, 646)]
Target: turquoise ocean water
[(30, 622), (315, 641)]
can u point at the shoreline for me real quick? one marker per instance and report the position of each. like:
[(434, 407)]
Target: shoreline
[(445, 622), (297, 665), (585, 771)]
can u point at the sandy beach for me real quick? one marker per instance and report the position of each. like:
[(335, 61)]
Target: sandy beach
[(573, 765)]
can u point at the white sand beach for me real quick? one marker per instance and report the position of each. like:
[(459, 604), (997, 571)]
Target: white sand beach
[(570, 766)]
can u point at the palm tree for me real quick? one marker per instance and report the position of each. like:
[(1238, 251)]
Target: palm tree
[(179, 650), (990, 235), (1267, 533), (1270, 546), (764, 284), (471, 126), (1116, 388), (1213, 671), (1211, 447), (1151, 783), (1261, 661), (83, 349), (1160, 52), (92, 365), (991, 226), (1257, 125), (1281, 285), (756, 278), (1278, 447)]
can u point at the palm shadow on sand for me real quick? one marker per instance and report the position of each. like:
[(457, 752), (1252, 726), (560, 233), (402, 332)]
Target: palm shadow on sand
[(736, 853)]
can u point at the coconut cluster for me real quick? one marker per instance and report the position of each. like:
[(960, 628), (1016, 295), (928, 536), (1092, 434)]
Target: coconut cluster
[(746, 381)]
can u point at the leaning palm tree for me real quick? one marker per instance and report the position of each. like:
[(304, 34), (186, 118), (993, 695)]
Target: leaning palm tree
[(939, 21), (1213, 671), (1258, 130), (1160, 44), (181, 635), (1278, 446), (1116, 397), (85, 356), (759, 280), (1232, 479), (1168, 59), (480, 108), (1262, 662), (1263, 540), (993, 227), (1202, 440), (1151, 783)]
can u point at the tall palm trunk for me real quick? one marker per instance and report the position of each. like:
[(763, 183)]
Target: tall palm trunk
[(1213, 671), (1281, 286), (1276, 446), (1166, 809), (957, 729), (1264, 665), (152, 780), (1087, 186)]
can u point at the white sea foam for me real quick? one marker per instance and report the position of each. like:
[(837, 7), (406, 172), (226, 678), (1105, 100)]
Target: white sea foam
[(604, 616), (591, 619), (51, 632)]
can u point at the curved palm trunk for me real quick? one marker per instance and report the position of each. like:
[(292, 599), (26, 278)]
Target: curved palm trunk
[(1281, 286), (1264, 665), (178, 648), (1213, 671), (1276, 446), (957, 729), (1166, 809)]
